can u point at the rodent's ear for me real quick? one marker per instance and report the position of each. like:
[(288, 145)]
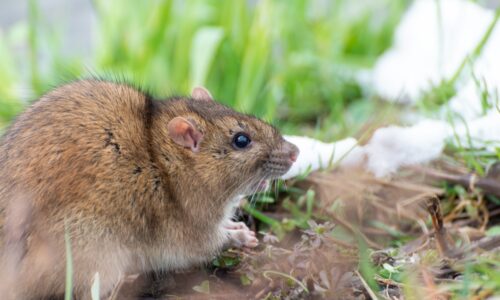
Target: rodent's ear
[(184, 133), (201, 93)]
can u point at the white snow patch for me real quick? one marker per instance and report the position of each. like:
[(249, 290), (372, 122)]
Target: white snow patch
[(315, 154), (428, 48), (483, 132), (393, 147)]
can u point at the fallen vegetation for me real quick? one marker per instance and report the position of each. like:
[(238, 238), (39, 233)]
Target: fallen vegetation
[(425, 234)]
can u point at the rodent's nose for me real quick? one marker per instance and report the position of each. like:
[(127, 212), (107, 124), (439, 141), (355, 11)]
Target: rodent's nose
[(292, 150)]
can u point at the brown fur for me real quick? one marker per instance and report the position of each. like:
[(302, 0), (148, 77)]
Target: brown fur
[(95, 159)]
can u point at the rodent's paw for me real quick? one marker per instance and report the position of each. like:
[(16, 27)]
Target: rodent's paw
[(229, 224), (242, 237)]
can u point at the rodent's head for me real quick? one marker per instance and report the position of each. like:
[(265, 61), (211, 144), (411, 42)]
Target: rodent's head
[(238, 151)]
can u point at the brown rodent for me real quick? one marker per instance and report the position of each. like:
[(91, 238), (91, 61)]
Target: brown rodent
[(137, 184)]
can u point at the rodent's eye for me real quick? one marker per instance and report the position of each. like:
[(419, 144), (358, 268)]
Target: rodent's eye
[(241, 141)]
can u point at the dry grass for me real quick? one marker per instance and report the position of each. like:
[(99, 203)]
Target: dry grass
[(404, 238)]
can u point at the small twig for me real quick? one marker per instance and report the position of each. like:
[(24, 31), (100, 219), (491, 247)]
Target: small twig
[(367, 287), (434, 208), (488, 185), (486, 244)]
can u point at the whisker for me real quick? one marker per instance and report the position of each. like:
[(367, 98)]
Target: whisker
[(253, 199), (254, 194), (276, 189)]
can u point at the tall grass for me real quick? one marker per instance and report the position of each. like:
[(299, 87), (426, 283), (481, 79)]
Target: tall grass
[(290, 61)]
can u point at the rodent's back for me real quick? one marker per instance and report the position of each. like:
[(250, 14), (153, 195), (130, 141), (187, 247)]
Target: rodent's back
[(79, 144)]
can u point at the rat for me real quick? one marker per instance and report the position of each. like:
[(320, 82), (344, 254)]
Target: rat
[(122, 183)]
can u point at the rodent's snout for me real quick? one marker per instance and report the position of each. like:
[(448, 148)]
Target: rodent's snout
[(292, 151), (281, 160)]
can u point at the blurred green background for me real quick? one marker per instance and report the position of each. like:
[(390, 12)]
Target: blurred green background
[(296, 63)]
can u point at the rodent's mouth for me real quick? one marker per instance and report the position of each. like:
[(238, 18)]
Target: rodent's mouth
[(259, 186)]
